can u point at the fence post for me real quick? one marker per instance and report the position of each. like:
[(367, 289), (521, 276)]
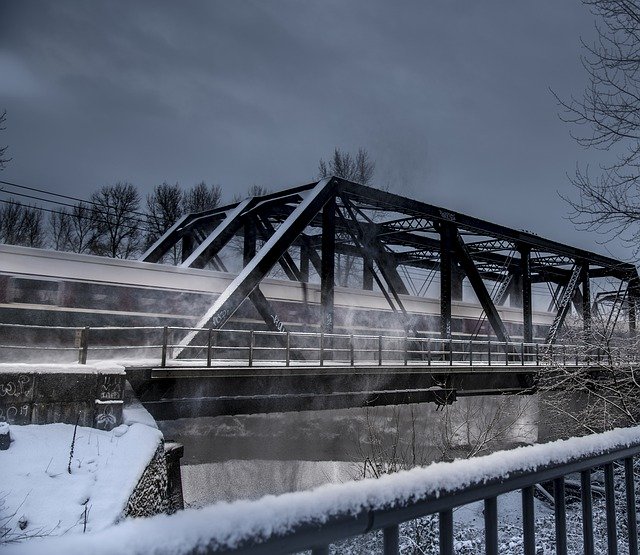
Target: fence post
[(351, 350), (450, 352), (288, 353), (522, 353), (406, 350), (428, 351), (379, 350), (165, 340), (537, 354), (506, 353), (321, 355), (471, 352), (251, 348), (209, 334), (83, 345)]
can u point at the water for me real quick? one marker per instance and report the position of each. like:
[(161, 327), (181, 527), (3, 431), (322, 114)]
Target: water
[(245, 457)]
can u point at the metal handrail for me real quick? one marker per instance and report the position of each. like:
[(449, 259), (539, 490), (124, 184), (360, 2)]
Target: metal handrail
[(353, 349), (377, 506)]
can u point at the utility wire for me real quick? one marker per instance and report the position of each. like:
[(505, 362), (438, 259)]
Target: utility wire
[(50, 211), (76, 199)]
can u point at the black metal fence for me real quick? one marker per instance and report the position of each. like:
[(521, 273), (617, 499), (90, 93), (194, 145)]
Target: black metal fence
[(319, 537), (212, 347)]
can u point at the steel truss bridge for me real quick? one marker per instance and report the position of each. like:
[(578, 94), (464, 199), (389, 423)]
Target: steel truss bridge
[(306, 227), (300, 359)]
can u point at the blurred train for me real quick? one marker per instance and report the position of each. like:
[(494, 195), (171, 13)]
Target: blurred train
[(50, 288)]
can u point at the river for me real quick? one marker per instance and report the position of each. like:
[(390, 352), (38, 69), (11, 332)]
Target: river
[(248, 456)]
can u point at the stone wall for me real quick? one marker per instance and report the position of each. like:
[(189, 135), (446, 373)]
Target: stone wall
[(159, 489), (89, 396)]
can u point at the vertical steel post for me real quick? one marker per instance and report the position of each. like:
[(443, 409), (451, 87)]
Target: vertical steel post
[(251, 348), (288, 350), (446, 264), (610, 507), (491, 526), (471, 352), (528, 521), (450, 352), (428, 351), (587, 512), (327, 277), (522, 353), (632, 524), (165, 340), (351, 350), (249, 246), (209, 338), (445, 521), (586, 299), (391, 540), (537, 354), (84, 346), (304, 263), (560, 516), (379, 350), (321, 353), (525, 280), (406, 350)]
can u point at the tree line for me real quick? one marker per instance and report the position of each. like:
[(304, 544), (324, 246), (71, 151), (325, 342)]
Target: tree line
[(116, 221)]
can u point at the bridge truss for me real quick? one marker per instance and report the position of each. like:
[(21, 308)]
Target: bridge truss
[(307, 227)]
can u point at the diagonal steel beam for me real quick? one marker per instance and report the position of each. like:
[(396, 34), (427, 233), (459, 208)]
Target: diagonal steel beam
[(220, 236), (465, 260), (286, 261), (240, 288), (564, 304)]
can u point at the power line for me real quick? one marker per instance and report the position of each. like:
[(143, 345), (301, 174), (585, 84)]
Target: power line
[(76, 199), (50, 211)]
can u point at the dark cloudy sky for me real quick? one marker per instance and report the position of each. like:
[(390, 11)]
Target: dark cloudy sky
[(451, 98)]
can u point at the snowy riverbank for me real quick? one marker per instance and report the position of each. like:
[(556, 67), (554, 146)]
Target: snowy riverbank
[(40, 497)]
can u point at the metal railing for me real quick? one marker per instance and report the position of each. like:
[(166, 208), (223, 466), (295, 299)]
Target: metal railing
[(213, 347), (333, 528)]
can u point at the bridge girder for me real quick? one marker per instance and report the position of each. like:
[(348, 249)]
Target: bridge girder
[(391, 232)]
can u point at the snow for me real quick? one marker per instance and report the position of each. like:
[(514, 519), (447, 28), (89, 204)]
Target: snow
[(38, 488), (98, 367), (228, 524)]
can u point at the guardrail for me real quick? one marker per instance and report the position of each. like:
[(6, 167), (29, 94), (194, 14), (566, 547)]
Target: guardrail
[(444, 500), (212, 347), (316, 520)]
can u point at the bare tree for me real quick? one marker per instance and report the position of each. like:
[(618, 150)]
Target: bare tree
[(74, 230), (607, 117), (594, 397), (201, 197), (164, 208), (21, 224), (117, 221), (3, 149), (361, 169), (253, 191)]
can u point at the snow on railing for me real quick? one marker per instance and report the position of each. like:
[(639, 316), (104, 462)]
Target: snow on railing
[(315, 519)]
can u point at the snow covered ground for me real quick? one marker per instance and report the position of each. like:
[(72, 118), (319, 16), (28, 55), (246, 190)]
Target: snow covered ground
[(228, 524), (40, 497)]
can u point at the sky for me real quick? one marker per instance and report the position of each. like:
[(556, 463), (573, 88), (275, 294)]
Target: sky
[(450, 98)]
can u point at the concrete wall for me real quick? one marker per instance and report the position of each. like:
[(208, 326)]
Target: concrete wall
[(34, 394)]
